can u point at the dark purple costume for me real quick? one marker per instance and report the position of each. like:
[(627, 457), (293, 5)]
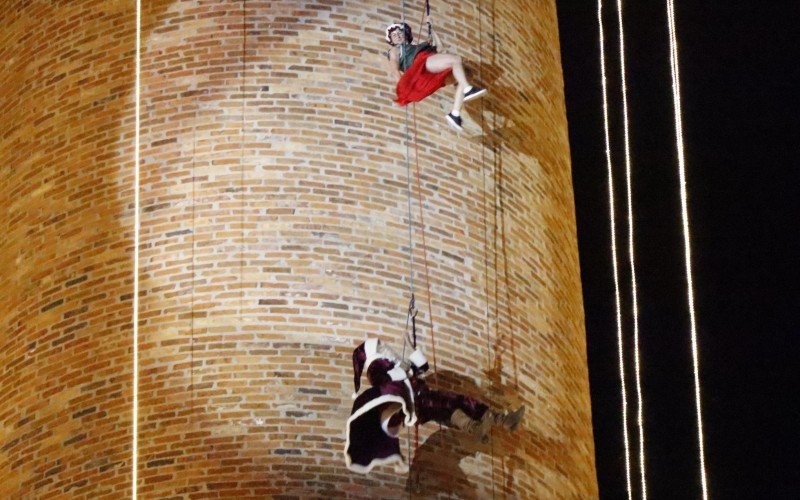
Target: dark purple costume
[(393, 400), (440, 405)]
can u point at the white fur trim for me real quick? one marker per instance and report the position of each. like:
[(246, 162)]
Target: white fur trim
[(390, 431), (397, 374), (417, 358), (413, 419), (396, 459), (371, 350), (354, 395), (371, 347), (387, 398)]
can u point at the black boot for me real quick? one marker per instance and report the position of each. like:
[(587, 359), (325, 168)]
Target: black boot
[(510, 420), (478, 428)]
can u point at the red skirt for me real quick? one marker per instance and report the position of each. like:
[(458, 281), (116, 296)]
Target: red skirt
[(417, 82)]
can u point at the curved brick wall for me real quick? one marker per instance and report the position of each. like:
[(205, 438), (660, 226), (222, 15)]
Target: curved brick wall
[(66, 108), (274, 239)]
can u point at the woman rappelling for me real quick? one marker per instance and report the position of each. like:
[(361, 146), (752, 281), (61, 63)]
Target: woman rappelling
[(420, 70)]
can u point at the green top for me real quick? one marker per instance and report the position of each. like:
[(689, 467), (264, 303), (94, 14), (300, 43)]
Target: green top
[(408, 52)]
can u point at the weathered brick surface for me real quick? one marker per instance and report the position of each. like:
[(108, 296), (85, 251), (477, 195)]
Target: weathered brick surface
[(274, 239), (65, 252)]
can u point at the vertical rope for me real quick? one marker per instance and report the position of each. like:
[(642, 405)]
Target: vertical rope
[(424, 242), (136, 223), (410, 214), (483, 185), (194, 264), (497, 358), (676, 94), (484, 221), (241, 160), (634, 295), (506, 280), (612, 219), (411, 458)]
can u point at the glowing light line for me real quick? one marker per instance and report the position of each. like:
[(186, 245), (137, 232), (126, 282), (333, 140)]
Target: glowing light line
[(634, 299), (676, 94), (136, 223), (612, 219)]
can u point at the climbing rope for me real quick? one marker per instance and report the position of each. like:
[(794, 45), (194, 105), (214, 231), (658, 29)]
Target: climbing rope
[(483, 214), (411, 312), (424, 242), (194, 264), (241, 160)]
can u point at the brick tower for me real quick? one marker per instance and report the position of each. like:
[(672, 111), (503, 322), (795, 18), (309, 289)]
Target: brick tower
[(274, 239)]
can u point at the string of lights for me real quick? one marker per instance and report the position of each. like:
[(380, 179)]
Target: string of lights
[(136, 225), (614, 258), (631, 258), (676, 94)]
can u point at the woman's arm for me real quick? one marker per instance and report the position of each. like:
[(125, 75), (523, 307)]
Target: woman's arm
[(393, 64), (435, 39)]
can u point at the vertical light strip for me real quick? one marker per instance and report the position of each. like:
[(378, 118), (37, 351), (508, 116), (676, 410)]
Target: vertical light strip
[(137, 98), (676, 98), (634, 299), (612, 219)]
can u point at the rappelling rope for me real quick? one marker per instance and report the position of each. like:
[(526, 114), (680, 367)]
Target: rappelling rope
[(424, 242), (241, 161), (483, 213), (411, 457)]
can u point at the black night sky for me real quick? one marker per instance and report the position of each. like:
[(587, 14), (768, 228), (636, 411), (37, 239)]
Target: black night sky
[(740, 78)]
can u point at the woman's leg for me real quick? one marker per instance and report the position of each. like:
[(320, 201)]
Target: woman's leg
[(437, 63), (440, 405)]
